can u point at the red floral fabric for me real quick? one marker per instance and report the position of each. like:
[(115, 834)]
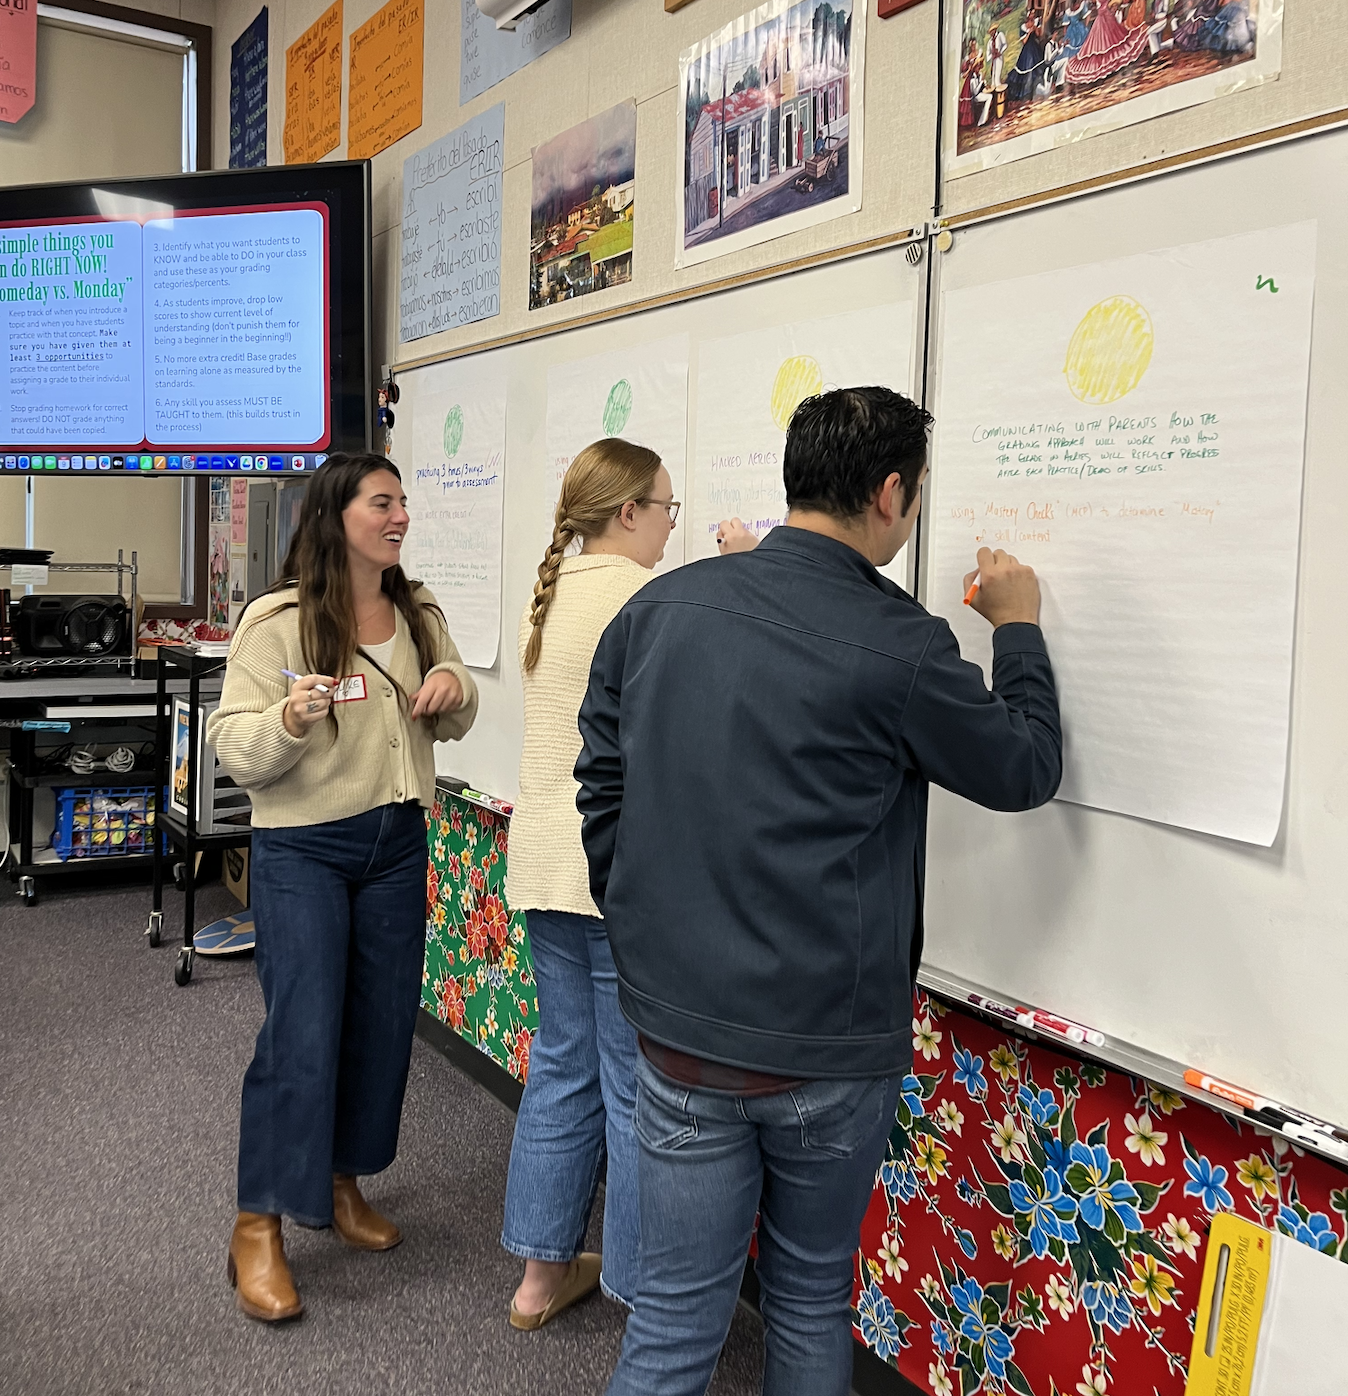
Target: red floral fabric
[(1039, 1223)]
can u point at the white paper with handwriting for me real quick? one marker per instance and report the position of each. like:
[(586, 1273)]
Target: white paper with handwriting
[(1135, 430), (747, 387), (455, 485)]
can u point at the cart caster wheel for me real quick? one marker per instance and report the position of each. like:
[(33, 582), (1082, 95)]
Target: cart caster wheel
[(180, 876), (28, 891), (154, 930), (182, 971)]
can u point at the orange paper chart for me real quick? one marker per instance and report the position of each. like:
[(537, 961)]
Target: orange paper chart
[(314, 89), (386, 78), (18, 59)]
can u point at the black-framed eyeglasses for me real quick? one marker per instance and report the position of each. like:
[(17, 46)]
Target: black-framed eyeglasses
[(670, 506)]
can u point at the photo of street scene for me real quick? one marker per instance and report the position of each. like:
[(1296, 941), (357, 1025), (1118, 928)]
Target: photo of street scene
[(584, 202), (1027, 65), (772, 126)]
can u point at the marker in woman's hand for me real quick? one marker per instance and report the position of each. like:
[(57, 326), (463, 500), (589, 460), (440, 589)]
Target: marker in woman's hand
[(973, 589), (318, 687)]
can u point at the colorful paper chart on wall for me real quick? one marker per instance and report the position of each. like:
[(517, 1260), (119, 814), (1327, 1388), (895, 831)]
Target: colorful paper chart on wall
[(747, 388), (18, 60), (313, 124), (771, 137), (1142, 448), (455, 495), (639, 394), (386, 78), (1025, 76)]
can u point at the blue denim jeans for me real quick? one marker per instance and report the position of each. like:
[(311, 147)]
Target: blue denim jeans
[(804, 1161), (577, 1105), (340, 911)]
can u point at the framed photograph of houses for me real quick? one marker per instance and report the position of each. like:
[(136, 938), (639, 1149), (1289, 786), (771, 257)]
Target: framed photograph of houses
[(583, 208), (772, 126), (1029, 75)]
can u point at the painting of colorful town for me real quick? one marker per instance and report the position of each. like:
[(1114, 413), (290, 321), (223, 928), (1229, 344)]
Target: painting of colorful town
[(1030, 64), (584, 202), (771, 130)]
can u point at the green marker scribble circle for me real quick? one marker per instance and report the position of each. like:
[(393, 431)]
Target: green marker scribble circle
[(453, 437), (618, 408)]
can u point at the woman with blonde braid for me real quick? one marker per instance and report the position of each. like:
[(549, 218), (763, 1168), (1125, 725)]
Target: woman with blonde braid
[(618, 500)]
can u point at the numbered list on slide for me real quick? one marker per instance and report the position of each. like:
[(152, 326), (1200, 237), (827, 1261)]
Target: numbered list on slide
[(193, 330)]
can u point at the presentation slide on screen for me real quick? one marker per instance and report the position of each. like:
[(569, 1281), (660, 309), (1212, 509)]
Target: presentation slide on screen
[(207, 329)]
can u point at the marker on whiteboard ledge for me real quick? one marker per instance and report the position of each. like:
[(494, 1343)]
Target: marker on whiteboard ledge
[(1073, 1032), (1258, 1107), (1035, 1018), (318, 687), (993, 1007)]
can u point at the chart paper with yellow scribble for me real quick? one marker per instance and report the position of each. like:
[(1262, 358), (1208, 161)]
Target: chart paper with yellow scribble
[(1134, 429), (749, 384)]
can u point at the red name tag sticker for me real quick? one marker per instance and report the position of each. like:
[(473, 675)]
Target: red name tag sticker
[(350, 690)]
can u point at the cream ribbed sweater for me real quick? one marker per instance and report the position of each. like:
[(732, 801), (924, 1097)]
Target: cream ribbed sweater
[(377, 758), (547, 869)]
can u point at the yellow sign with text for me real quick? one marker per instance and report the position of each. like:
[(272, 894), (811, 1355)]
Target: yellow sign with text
[(1230, 1308)]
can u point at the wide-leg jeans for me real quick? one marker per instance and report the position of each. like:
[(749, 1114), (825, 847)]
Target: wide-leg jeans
[(577, 1107), (340, 911)]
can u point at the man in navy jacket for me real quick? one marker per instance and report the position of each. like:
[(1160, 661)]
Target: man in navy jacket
[(760, 731)]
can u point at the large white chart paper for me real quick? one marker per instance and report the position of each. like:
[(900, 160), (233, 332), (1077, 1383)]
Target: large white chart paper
[(455, 495), (1135, 430), (749, 385), (639, 394)]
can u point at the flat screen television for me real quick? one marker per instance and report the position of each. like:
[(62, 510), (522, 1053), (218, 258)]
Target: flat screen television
[(204, 322)]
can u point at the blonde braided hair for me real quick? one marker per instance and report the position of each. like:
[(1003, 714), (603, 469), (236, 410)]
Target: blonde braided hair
[(600, 479)]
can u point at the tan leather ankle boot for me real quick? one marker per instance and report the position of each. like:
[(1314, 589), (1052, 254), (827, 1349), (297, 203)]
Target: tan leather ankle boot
[(356, 1222), (258, 1271)]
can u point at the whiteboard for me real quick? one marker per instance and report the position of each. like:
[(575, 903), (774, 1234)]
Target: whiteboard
[(488, 757), (1218, 954)]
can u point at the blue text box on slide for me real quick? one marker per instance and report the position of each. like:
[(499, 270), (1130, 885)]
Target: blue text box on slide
[(235, 332)]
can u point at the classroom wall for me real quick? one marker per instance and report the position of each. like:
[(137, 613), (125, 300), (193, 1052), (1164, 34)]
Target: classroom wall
[(618, 49), (84, 127)]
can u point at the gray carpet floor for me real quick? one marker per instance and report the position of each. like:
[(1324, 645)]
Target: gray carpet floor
[(119, 1098)]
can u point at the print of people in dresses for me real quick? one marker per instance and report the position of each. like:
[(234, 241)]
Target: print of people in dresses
[(1072, 44)]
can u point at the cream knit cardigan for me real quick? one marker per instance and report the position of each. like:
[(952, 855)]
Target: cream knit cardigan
[(547, 869), (378, 756)]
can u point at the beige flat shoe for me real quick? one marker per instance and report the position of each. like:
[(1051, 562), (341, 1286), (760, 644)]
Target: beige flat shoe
[(581, 1279)]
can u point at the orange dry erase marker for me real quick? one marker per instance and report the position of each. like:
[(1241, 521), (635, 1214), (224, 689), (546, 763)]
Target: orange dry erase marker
[(973, 590)]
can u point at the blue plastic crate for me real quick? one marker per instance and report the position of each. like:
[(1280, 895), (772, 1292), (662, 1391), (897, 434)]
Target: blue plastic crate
[(102, 822)]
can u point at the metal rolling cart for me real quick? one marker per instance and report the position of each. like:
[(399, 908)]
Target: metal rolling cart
[(182, 833), (89, 686)]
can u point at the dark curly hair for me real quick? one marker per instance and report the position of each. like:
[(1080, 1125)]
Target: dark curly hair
[(843, 445)]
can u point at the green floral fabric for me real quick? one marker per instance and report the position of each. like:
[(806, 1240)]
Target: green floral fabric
[(479, 975)]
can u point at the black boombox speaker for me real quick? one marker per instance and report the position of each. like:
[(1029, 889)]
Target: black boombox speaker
[(50, 626)]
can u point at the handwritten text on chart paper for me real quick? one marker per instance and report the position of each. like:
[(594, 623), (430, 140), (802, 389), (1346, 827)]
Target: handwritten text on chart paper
[(450, 271)]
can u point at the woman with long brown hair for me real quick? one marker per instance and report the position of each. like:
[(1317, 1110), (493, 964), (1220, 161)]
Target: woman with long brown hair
[(616, 499), (340, 767)]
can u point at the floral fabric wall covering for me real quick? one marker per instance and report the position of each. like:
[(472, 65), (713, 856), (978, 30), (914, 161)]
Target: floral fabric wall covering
[(479, 975), (1040, 1222)]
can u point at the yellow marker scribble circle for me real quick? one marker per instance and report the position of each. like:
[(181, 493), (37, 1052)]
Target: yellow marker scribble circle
[(798, 378), (1110, 351)]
